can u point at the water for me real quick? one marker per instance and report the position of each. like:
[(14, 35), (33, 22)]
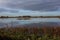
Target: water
[(18, 21)]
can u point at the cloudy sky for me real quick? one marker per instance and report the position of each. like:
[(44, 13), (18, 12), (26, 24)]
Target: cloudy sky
[(29, 7)]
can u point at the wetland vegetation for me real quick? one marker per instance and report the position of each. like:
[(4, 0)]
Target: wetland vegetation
[(30, 28)]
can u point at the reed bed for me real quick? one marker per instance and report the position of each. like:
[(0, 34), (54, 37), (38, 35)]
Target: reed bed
[(30, 33)]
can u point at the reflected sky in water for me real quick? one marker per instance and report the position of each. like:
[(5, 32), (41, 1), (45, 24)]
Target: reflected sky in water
[(17, 21), (31, 20)]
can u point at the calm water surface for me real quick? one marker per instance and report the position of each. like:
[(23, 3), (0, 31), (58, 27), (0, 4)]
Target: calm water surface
[(18, 21)]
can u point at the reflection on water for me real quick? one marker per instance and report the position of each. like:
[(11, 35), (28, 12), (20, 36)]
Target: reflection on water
[(23, 18), (19, 21)]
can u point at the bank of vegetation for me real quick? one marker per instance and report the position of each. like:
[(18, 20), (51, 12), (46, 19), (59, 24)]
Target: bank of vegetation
[(30, 33), (29, 16)]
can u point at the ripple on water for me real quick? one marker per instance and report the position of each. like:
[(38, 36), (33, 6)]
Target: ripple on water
[(15, 21)]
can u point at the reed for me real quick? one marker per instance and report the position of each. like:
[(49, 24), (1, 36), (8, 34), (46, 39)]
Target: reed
[(30, 33)]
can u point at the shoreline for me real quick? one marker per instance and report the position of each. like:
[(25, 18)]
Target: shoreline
[(29, 16)]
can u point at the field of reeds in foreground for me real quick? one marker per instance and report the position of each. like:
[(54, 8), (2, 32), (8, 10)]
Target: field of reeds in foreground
[(30, 33)]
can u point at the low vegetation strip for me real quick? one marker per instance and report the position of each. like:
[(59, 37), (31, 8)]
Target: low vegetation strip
[(29, 16), (32, 33)]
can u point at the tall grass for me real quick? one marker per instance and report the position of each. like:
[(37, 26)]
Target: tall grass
[(30, 33)]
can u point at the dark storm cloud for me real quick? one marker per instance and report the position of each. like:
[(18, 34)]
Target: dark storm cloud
[(35, 5), (44, 7)]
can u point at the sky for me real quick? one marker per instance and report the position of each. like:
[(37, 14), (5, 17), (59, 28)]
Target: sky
[(29, 7)]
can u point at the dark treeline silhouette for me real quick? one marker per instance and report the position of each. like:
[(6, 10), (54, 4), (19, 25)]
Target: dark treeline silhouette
[(29, 16)]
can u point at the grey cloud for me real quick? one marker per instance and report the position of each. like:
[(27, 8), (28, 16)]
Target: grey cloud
[(35, 5), (49, 6)]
